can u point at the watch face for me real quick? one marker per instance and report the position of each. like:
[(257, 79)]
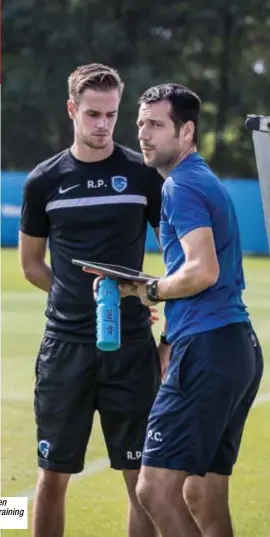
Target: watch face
[(154, 289), (151, 290)]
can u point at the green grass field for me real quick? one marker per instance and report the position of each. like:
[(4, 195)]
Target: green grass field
[(97, 503)]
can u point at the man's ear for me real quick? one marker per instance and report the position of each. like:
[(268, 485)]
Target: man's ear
[(189, 129), (71, 108)]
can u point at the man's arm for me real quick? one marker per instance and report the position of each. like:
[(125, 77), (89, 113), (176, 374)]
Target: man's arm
[(189, 211), (199, 271), (32, 251), (34, 231)]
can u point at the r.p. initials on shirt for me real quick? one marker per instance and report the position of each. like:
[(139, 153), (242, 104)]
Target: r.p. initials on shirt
[(98, 183)]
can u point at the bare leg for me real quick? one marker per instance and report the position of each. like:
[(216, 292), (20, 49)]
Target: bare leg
[(207, 500), (160, 492), (139, 523), (49, 504)]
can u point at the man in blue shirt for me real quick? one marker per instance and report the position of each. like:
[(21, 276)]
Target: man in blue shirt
[(197, 420)]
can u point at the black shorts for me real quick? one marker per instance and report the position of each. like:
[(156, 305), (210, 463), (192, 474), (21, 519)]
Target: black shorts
[(73, 380), (198, 417)]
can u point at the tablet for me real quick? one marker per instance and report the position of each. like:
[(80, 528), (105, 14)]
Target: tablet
[(116, 272)]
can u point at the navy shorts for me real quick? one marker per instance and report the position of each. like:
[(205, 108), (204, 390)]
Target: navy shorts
[(198, 417)]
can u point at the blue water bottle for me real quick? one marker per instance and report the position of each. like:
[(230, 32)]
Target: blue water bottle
[(108, 315)]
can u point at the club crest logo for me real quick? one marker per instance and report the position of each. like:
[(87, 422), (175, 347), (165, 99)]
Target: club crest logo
[(119, 183), (44, 448)]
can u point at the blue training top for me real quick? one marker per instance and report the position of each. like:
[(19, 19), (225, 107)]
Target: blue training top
[(194, 197)]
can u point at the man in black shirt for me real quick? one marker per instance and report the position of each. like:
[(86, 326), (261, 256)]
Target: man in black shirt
[(92, 201)]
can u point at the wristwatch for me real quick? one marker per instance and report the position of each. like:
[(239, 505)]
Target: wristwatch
[(151, 290)]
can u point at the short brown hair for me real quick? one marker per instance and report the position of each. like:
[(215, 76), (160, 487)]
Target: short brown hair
[(93, 76)]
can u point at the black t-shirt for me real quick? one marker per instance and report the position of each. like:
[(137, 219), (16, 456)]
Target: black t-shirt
[(97, 212)]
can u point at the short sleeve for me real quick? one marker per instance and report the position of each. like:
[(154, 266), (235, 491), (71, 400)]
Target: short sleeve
[(186, 208), (154, 188), (34, 220)]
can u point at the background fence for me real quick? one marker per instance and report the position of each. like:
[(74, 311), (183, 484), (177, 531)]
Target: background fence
[(245, 194)]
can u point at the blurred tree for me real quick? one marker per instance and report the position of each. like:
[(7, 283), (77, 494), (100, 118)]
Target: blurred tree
[(222, 52)]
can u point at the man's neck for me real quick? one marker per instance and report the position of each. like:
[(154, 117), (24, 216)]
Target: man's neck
[(89, 154), (178, 159)]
